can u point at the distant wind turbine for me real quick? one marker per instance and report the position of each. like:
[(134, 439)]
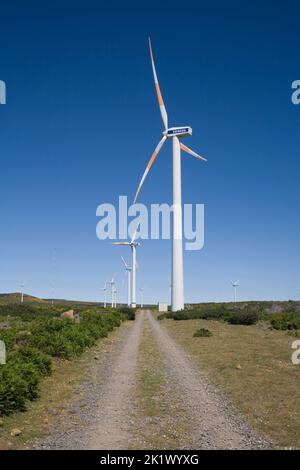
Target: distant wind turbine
[(128, 269), (105, 290), (141, 296), (173, 133), (22, 292), (235, 285), (133, 244), (113, 291), (115, 295)]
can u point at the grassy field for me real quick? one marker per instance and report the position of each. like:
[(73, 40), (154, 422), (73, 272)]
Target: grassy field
[(253, 365)]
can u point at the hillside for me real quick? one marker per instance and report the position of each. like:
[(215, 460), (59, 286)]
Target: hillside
[(15, 297)]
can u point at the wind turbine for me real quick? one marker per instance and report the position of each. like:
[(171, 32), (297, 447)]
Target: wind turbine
[(141, 296), (235, 284), (173, 133), (22, 292), (105, 289), (128, 269), (133, 244), (115, 295), (113, 292)]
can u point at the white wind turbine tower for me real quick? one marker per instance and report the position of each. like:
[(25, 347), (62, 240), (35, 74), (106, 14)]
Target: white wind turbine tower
[(115, 295), (141, 296), (128, 269), (22, 292), (173, 133), (133, 244), (235, 285), (105, 290), (113, 292)]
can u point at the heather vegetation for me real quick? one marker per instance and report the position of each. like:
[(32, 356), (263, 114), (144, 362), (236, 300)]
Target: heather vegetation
[(35, 335), (280, 315)]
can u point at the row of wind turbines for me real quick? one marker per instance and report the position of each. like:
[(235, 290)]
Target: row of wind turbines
[(113, 291), (131, 276), (128, 269), (174, 134), (177, 280)]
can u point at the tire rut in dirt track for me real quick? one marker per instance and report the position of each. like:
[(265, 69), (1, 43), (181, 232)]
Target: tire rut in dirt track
[(215, 424), (113, 415)]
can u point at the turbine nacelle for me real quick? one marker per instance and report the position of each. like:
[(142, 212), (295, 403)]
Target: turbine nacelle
[(178, 132)]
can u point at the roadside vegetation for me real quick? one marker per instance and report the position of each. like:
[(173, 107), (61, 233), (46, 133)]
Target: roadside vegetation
[(36, 335), (280, 316)]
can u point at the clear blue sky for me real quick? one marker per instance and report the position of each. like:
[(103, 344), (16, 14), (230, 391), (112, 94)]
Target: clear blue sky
[(81, 121)]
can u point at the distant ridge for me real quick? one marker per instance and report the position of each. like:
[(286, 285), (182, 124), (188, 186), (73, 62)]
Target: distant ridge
[(15, 297)]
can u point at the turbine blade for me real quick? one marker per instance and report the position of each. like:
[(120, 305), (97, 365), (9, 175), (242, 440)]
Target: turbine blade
[(125, 264), (120, 243), (162, 107), (150, 163), (191, 152), (134, 234)]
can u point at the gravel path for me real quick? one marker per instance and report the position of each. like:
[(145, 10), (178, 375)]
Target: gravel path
[(101, 417), (214, 423)]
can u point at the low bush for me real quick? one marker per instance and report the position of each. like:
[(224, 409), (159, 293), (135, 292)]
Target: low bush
[(235, 316), (63, 338), (29, 312), (241, 317), (285, 321), (295, 333), (128, 312), (39, 360), (202, 333), (29, 350), (9, 336), (18, 383), (163, 316)]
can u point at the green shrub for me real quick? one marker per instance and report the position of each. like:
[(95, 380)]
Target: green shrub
[(242, 317), (18, 383), (64, 338), (205, 312), (295, 333), (54, 344), (128, 312), (285, 321), (28, 350), (9, 337), (29, 312), (202, 333), (33, 356), (163, 316), (181, 315)]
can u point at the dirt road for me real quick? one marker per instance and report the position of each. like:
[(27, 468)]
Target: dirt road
[(110, 417), (213, 421)]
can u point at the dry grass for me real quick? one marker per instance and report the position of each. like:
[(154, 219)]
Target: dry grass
[(253, 365)]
